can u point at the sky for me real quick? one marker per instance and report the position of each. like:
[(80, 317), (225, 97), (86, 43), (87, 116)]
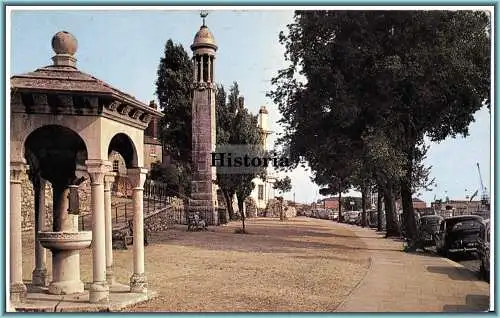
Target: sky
[(123, 48)]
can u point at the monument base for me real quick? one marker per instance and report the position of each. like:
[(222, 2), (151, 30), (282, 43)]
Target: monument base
[(205, 209)]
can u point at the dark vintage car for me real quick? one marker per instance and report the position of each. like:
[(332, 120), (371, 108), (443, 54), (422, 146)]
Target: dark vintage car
[(484, 250), (458, 234), (427, 227)]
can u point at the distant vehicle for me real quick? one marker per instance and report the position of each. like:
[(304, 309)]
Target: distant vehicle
[(352, 217), (427, 227), (458, 234), (334, 215), (484, 251), (323, 214)]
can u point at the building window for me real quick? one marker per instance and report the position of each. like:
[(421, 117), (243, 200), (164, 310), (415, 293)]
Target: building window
[(115, 165), (261, 192)]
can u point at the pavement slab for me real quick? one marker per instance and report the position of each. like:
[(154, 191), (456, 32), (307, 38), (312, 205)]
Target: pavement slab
[(413, 282)]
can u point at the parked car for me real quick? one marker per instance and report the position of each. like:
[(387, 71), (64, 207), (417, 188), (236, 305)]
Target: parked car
[(427, 227), (458, 234), (334, 215), (484, 251), (352, 217)]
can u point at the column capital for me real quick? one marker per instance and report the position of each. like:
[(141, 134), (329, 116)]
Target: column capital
[(17, 168), (109, 178), (97, 169), (137, 176)]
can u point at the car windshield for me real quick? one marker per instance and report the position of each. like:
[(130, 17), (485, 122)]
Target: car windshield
[(466, 225), (430, 221)]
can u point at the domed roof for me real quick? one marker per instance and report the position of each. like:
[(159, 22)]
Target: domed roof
[(203, 38), (64, 42), (263, 110)]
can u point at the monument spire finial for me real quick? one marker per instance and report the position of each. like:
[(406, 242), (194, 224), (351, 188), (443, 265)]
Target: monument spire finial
[(203, 15)]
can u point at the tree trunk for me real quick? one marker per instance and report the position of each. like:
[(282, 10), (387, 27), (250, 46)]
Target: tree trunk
[(407, 202), (363, 206), (242, 213), (392, 226), (370, 211), (380, 196), (229, 204), (340, 205)]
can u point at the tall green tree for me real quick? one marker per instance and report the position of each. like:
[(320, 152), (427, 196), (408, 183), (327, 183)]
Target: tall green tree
[(283, 185), (237, 126), (173, 88), (401, 74)]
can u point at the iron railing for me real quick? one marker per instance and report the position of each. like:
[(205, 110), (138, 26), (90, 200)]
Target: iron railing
[(156, 197)]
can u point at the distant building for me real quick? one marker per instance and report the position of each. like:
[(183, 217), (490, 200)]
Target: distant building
[(460, 207), (331, 203), (264, 190), (418, 203), (152, 146)]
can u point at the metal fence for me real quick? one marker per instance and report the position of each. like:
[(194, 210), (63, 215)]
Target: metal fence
[(156, 197)]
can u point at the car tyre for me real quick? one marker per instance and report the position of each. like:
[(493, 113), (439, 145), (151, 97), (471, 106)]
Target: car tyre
[(439, 251), (485, 275)]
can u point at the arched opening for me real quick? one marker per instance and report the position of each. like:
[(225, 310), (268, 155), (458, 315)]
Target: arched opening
[(123, 155), (123, 145), (53, 152)]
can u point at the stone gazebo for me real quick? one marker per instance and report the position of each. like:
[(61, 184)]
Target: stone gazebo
[(64, 125)]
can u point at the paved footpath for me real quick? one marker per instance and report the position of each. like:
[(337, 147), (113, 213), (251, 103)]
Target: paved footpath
[(413, 282)]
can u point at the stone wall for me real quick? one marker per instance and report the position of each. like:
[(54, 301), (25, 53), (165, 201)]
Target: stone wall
[(251, 207), (274, 206), (165, 218)]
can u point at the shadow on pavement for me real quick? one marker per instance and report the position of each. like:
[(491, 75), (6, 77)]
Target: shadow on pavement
[(455, 273), (424, 253), (473, 303)]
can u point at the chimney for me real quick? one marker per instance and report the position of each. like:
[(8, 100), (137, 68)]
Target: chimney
[(152, 129)]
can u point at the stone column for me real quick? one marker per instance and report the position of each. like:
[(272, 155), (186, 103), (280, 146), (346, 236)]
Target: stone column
[(202, 57), (39, 275), (17, 287), (99, 290), (65, 261), (108, 182), (212, 69), (195, 69), (138, 282), (209, 72)]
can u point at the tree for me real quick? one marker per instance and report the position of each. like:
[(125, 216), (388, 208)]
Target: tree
[(283, 185), (236, 126), (224, 120), (394, 75), (168, 174), (173, 88)]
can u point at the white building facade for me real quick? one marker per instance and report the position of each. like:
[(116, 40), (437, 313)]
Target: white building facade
[(264, 190)]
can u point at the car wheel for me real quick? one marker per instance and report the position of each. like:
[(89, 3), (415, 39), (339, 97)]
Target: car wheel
[(485, 275), (439, 251)]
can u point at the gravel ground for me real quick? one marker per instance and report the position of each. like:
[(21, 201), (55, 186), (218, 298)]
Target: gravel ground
[(297, 265)]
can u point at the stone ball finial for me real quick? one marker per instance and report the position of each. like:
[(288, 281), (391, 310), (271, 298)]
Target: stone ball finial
[(64, 42)]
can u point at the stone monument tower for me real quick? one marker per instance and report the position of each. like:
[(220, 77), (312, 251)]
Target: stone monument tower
[(203, 189)]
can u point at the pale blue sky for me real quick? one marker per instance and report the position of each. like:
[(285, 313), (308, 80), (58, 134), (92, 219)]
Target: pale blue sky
[(123, 48)]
